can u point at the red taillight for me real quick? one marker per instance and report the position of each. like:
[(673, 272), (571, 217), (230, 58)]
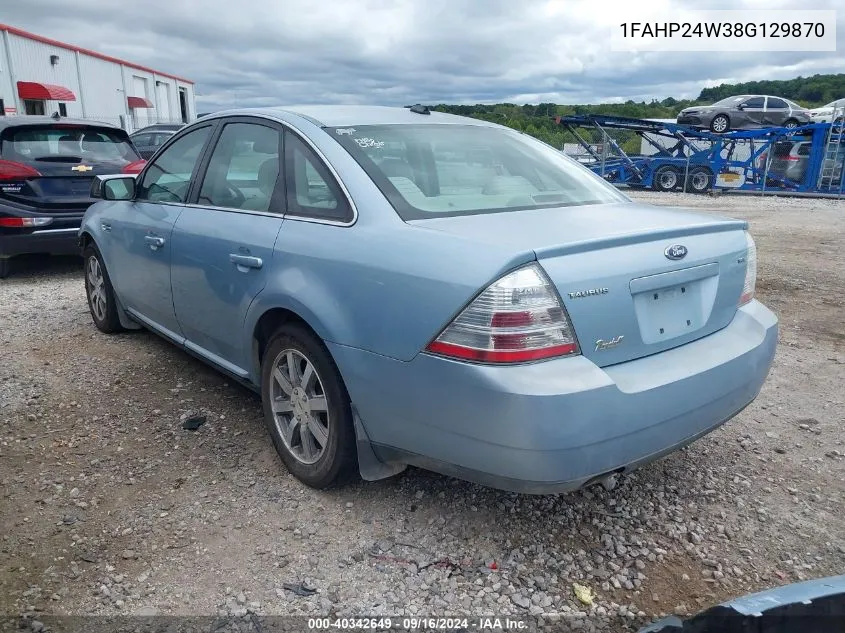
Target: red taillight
[(10, 170), (791, 158), (518, 318), (17, 223), (134, 167)]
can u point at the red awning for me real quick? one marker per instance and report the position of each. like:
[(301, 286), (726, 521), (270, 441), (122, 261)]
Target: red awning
[(139, 102), (43, 92)]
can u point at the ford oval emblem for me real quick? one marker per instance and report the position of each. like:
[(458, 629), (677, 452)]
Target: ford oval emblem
[(676, 251)]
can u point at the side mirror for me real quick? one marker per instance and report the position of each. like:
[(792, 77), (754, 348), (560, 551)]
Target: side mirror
[(740, 106), (113, 187)]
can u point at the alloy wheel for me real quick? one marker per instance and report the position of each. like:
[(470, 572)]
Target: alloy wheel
[(96, 288), (299, 405)]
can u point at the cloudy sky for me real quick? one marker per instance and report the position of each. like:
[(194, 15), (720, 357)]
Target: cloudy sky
[(394, 52)]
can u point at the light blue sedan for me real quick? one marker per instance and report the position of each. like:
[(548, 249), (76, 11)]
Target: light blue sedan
[(410, 287)]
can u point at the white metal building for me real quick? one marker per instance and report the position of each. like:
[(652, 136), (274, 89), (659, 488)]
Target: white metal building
[(43, 76)]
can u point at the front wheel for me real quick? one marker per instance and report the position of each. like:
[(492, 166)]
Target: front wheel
[(720, 123), (99, 292), (306, 408)]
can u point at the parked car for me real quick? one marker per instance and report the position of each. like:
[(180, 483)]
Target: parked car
[(161, 127), (815, 606), (825, 114), (46, 169), (745, 112), (411, 287), (790, 160), (147, 143)]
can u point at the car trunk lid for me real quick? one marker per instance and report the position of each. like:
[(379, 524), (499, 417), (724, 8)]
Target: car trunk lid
[(627, 292)]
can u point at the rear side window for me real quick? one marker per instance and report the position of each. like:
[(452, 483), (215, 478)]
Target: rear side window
[(67, 144), (167, 178), (777, 104), (311, 189)]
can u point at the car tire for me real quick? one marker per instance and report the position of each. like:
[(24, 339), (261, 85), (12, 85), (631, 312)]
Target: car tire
[(666, 178), (5, 267), (720, 123), (317, 445), (99, 292), (700, 179), (790, 123)]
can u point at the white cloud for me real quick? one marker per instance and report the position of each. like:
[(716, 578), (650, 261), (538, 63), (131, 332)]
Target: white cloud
[(262, 52)]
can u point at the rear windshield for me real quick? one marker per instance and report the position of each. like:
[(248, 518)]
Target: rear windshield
[(67, 144), (437, 170)]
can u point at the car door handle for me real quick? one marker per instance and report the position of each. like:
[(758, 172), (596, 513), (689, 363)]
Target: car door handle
[(154, 241), (244, 262), (106, 226)]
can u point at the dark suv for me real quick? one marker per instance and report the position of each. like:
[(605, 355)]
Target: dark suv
[(790, 160), (46, 169)]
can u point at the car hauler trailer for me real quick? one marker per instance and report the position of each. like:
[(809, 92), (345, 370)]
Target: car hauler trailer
[(806, 160)]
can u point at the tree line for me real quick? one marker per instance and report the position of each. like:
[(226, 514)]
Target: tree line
[(538, 120)]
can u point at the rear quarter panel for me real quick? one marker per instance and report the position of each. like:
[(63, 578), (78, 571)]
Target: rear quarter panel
[(386, 289)]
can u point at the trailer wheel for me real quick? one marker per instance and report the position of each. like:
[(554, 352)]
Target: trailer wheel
[(666, 178), (720, 123), (700, 180)]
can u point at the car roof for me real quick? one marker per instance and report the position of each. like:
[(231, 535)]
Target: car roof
[(154, 130), (343, 115), (29, 119), (161, 126)]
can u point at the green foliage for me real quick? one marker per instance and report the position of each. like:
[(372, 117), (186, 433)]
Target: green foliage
[(538, 120), (807, 91)]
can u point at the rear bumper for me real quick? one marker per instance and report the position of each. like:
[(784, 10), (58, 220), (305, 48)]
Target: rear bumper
[(59, 237), (557, 425), (62, 241)]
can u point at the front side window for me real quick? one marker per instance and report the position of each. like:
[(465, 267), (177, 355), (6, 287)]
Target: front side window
[(243, 169), (167, 178), (433, 170), (755, 102)]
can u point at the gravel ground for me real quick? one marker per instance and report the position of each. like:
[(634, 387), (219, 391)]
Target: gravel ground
[(109, 506)]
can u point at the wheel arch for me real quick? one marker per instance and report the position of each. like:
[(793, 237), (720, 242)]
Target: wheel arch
[(86, 239), (270, 320)]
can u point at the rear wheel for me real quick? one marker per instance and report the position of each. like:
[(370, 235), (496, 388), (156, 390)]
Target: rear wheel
[(306, 408), (666, 178), (720, 123), (5, 268), (790, 123), (99, 292), (700, 180)]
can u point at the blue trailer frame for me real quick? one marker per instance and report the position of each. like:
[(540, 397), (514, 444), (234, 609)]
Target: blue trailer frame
[(700, 160)]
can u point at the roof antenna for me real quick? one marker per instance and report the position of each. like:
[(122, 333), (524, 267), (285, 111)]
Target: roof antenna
[(419, 109), (56, 115)]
